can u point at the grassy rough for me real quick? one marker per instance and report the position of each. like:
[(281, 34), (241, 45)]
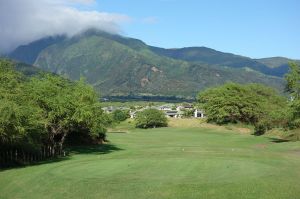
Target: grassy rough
[(166, 163)]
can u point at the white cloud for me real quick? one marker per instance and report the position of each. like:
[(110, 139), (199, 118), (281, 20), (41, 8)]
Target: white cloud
[(22, 21)]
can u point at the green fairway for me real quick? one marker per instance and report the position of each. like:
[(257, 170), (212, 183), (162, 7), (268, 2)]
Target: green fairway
[(166, 163)]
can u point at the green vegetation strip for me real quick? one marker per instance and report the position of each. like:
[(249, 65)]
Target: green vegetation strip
[(166, 163)]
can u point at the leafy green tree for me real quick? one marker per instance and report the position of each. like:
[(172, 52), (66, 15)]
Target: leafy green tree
[(251, 104), (88, 109), (293, 87), (120, 115), (19, 118), (188, 113), (151, 118), (293, 80), (42, 111), (65, 106)]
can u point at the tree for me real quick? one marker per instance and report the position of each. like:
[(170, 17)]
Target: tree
[(188, 113), (151, 118), (41, 111), (293, 80), (66, 106), (19, 118), (251, 104), (119, 115), (293, 87)]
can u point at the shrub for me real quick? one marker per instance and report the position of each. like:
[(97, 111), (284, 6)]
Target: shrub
[(119, 115), (151, 118), (188, 113), (261, 127)]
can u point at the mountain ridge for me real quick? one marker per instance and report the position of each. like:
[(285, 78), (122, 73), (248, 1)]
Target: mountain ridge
[(117, 65), (268, 66)]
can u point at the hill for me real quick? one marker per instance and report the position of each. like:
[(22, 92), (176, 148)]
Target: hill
[(117, 65), (28, 53), (26, 69), (269, 66), (276, 62)]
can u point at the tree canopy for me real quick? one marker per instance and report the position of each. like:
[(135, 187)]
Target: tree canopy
[(293, 87), (44, 109), (120, 115), (251, 104), (151, 118)]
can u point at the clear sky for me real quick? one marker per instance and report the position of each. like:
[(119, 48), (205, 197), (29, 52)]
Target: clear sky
[(254, 28)]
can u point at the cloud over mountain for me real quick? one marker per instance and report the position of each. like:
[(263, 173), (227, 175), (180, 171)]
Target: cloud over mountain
[(23, 21)]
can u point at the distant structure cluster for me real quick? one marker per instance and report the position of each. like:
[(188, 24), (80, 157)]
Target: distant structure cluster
[(170, 110)]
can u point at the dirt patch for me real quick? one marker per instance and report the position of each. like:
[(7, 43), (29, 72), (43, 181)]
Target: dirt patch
[(184, 122), (296, 152), (260, 146), (144, 81), (110, 130), (154, 69), (201, 123), (244, 130)]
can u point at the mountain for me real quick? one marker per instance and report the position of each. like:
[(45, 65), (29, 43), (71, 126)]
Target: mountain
[(117, 65), (26, 69), (280, 64), (276, 62), (28, 53), (217, 58)]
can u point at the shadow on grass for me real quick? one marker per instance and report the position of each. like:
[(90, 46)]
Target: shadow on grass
[(117, 132), (23, 165), (278, 140), (97, 149), (94, 149)]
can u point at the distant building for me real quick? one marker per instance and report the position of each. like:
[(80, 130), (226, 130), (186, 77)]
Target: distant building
[(109, 109), (165, 108), (179, 108), (199, 113), (132, 114), (188, 106), (174, 113)]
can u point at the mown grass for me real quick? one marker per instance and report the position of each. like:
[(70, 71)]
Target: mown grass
[(166, 163)]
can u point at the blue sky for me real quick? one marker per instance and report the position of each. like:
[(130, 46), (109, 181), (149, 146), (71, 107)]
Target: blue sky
[(254, 28)]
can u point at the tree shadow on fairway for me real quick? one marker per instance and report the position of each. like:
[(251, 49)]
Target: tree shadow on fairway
[(97, 149), (278, 140), (117, 132), (93, 149), (17, 165)]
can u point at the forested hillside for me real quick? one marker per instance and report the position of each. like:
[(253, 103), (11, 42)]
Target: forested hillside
[(117, 65)]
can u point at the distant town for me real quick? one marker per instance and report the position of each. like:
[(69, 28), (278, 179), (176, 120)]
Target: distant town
[(170, 110)]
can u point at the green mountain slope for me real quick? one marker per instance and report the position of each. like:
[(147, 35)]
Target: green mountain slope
[(280, 64), (117, 65), (276, 62), (211, 56), (28, 53), (26, 69)]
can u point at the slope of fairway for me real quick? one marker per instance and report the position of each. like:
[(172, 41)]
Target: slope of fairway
[(166, 163)]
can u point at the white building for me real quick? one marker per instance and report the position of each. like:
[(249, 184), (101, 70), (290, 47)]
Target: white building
[(199, 113)]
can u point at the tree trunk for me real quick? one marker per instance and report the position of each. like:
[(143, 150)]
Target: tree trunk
[(16, 154), (62, 142)]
